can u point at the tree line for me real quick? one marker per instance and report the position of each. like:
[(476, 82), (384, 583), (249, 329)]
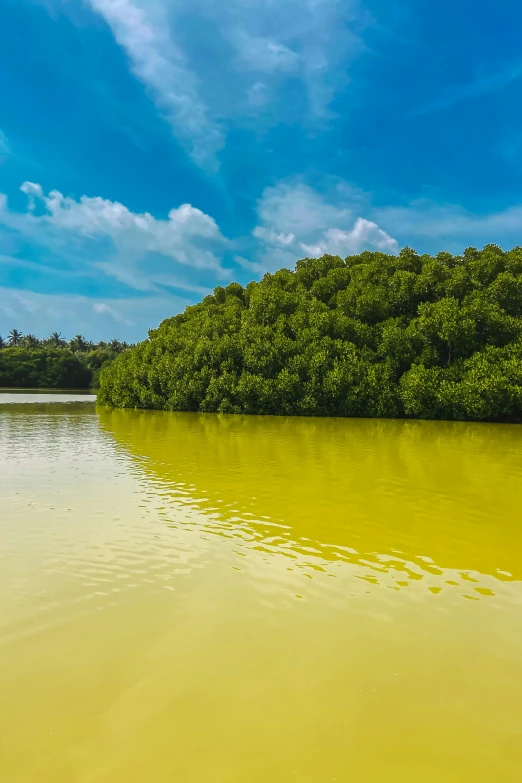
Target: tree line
[(53, 362), (370, 335)]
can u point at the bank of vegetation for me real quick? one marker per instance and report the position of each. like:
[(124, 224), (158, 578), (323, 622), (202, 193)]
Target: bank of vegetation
[(370, 335), (53, 363)]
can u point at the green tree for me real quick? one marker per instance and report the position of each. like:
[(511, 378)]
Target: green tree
[(30, 341), (56, 340), (115, 346), (42, 368), (78, 344), (370, 335), (53, 363), (15, 337)]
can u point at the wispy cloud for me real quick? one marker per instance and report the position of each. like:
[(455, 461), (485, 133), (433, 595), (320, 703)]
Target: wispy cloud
[(4, 145), (309, 40), (127, 318), (102, 308), (142, 29), (461, 92), (264, 54), (257, 50), (435, 223)]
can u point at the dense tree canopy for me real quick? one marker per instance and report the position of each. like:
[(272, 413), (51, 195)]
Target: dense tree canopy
[(40, 368), (370, 335), (52, 363)]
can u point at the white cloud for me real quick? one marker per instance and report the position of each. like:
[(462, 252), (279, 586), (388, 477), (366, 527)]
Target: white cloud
[(142, 28), (364, 235), (126, 319), (295, 219), (33, 192), (298, 209), (31, 188), (94, 216), (142, 251)]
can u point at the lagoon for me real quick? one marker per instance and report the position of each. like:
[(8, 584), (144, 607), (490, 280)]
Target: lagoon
[(202, 598)]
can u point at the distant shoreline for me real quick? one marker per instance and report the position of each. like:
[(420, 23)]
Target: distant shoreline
[(33, 390)]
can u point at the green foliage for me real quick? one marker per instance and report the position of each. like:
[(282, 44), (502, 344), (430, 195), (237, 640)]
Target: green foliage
[(371, 335), (27, 362), (15, 337), (38, 368)]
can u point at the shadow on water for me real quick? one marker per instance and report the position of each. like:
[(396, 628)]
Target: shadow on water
[(424, 499)]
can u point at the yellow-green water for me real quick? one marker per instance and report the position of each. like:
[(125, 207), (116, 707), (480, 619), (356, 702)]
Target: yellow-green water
[(198, 598)]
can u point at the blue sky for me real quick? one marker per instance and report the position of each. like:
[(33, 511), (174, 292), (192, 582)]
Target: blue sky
[(153, 149)]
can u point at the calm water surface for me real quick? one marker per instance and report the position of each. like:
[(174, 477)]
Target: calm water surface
[(202, 598)]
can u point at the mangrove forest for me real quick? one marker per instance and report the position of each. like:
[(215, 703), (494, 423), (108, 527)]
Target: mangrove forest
[(371, 335)]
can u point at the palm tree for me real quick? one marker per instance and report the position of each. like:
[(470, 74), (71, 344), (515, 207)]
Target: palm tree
[(14, 337), (30, 341), (78, 343), (115, 346), (2, 342), (55, 339)]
